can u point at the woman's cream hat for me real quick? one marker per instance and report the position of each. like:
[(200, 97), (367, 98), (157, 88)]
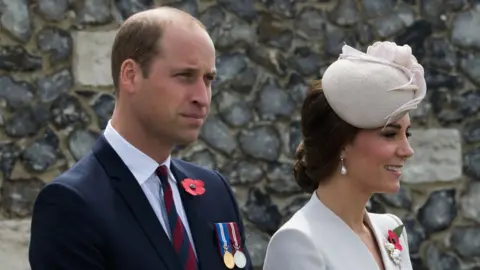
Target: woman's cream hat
[(373, 89)]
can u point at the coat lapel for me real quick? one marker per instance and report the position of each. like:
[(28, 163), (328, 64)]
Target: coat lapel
[(131, 192), (202, 230), (381, 231)]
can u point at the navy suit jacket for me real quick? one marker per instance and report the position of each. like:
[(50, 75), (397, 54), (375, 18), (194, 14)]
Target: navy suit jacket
[(96, 216)]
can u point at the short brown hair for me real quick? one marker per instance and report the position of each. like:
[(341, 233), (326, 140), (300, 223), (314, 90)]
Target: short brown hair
[(138, 39), (324, 136)]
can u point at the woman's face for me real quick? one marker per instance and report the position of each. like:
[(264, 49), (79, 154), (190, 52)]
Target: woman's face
[(375, 159)]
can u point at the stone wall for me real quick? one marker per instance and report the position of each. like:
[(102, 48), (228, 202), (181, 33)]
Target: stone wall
[(56, 96)]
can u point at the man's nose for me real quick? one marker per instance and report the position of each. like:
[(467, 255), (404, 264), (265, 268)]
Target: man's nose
[(201, 93)]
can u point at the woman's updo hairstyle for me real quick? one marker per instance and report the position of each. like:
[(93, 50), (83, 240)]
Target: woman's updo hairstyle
[(324, 136)]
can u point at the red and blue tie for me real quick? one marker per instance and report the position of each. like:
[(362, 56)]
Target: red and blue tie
[(181, 242)]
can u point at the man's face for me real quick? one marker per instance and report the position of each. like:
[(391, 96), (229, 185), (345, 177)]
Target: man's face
[(173, 102)]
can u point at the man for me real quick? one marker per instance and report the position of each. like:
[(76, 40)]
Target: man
[(127, 204)]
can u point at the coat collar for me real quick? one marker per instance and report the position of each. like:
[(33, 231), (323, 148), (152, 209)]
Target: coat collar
[(323, 219)]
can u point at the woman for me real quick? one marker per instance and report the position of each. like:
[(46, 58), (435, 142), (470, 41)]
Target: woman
[(355, 126)]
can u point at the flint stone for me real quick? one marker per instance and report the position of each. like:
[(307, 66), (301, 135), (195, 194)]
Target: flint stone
[(439, 211), (261, 211), (9, 153), (67, 110), (18, 196), (53, 10), (18, 94), (233, 109), (51, 86), (245, 9), (80, 142), (470, 201), (55, 41), (464, 32), (15, 18), (244, 172), (93, 12), (273, 102), (440, 260), (103, 106), (256, 243), (310, 24), (281, 180), (261, 142), (466, 241), (16, 58), (345, 13), (129, 7), (216, 134)]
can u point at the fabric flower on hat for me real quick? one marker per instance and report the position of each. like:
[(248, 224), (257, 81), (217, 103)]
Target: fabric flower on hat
[(390, 51)]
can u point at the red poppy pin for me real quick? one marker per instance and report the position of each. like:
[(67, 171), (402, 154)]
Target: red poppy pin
[(393, 244), (193, 187)]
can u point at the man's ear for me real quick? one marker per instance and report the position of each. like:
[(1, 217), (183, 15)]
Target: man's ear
[(130, 73)]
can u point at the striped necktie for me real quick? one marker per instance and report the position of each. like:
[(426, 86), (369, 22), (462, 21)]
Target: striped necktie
[(180, 240)]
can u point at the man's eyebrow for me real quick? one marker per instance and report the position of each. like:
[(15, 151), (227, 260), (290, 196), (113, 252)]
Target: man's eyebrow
[(213, 72)]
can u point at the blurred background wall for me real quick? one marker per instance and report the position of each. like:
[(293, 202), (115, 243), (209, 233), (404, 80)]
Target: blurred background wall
[(56, 96)]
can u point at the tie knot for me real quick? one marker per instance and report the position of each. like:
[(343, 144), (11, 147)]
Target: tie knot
[(162, 170), (162, 173)]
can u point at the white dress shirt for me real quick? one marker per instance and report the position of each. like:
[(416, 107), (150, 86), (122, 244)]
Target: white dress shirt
[(143, 169)]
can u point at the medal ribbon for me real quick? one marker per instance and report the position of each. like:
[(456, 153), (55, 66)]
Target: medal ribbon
[(233, 230), (223, 237)]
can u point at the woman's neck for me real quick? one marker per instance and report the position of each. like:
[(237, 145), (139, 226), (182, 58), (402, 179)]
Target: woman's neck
[(346, 201)]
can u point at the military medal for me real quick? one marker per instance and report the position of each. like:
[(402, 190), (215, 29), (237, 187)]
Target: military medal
[(228, 260), (225, 250), (239, 257)]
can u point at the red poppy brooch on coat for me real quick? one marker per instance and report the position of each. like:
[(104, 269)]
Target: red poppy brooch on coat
[(193, 187), (393, 245)]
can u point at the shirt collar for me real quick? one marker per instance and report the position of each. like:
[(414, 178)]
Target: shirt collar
[(141, 165)]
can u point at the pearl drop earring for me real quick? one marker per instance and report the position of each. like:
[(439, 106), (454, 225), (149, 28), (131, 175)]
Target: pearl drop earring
[(343, 170)]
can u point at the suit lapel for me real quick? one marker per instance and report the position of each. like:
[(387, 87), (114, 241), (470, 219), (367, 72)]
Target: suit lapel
[(127, 186), (201, 229)]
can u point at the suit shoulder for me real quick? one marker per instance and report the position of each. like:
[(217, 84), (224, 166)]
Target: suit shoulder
[(82, 175), (197, 169), (190, 165)]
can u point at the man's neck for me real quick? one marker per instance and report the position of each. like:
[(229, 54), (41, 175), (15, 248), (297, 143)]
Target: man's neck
[(136, 135), (345, 201)]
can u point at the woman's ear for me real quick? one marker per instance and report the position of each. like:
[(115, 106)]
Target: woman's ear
[(345, 151)]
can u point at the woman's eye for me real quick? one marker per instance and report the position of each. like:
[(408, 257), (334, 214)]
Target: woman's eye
[(389, 134)]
